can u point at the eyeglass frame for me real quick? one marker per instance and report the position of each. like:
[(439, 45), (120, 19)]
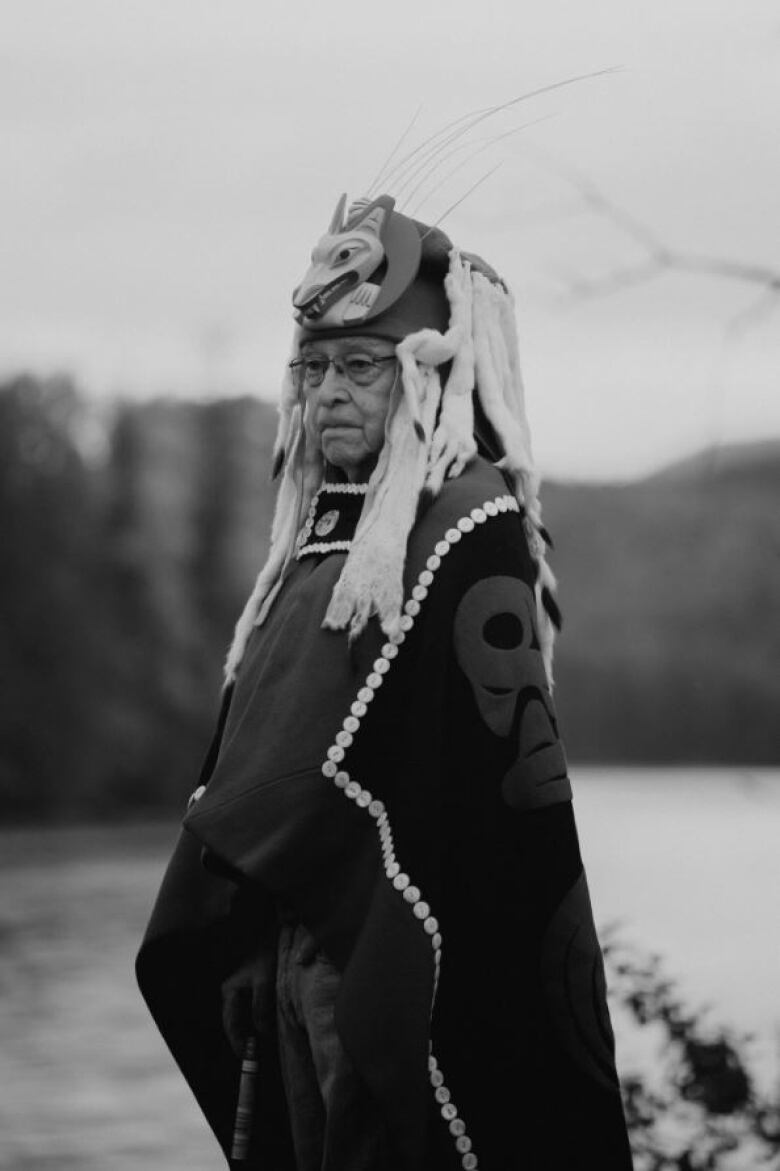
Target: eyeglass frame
[(297, 367)]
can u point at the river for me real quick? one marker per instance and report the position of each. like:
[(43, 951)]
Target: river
[(687, 861)]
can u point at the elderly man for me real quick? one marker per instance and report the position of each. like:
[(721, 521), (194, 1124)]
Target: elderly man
[(378, 883)]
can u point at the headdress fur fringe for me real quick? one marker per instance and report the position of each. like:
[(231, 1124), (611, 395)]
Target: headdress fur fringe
[(418, 454)]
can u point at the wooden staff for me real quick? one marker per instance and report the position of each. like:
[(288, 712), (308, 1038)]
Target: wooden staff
[(245, 1107)]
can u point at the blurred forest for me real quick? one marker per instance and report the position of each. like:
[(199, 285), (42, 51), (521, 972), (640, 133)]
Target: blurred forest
[(130, 540)]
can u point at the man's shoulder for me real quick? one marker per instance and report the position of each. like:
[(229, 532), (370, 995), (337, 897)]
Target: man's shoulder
[(480, 493), (481, 483)]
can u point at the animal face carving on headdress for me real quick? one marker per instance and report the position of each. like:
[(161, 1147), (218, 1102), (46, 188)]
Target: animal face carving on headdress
[(359, 267)]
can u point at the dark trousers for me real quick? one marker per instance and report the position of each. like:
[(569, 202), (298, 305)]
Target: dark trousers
[(335, 1123)]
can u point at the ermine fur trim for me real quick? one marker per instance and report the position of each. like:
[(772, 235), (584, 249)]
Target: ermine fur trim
[(453, 444), (288, 401)]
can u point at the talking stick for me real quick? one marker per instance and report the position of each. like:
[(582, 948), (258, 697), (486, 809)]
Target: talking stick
[(245, 1107)]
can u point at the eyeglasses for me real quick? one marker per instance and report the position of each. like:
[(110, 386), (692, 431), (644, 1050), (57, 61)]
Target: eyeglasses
[(359, 368)]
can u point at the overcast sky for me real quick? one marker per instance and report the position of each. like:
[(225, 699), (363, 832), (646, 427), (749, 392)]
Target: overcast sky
[(167, 166)]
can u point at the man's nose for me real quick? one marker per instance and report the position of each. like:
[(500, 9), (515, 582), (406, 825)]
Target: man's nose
[(335, 384)]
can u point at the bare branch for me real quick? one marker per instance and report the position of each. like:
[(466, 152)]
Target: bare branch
[(659, 257)]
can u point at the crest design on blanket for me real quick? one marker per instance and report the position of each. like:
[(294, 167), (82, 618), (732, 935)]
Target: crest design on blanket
[(575, 987), (497, 647)]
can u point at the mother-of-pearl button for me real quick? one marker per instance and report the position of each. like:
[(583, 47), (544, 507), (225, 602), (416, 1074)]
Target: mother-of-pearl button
[(401, 881), (341, 779), (412, 894), (453, 536), (442, 548), (330, 768), (352, 789), (351, 724)]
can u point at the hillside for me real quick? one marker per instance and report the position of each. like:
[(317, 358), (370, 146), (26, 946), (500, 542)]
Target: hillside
[(669, 591)]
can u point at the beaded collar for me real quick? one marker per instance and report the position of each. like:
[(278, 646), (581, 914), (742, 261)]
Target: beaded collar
[(332, 519)]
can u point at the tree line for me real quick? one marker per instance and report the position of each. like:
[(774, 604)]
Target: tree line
[(129, 543)]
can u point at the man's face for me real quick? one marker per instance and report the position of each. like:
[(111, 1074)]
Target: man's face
[(349, 416)]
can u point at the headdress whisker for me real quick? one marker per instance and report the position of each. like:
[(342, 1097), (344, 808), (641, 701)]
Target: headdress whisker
[(480, 116), (429, 143), (465, 195), (484, 144), (380, 173)]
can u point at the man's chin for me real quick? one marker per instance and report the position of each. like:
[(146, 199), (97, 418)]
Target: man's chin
[(344, 451)]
